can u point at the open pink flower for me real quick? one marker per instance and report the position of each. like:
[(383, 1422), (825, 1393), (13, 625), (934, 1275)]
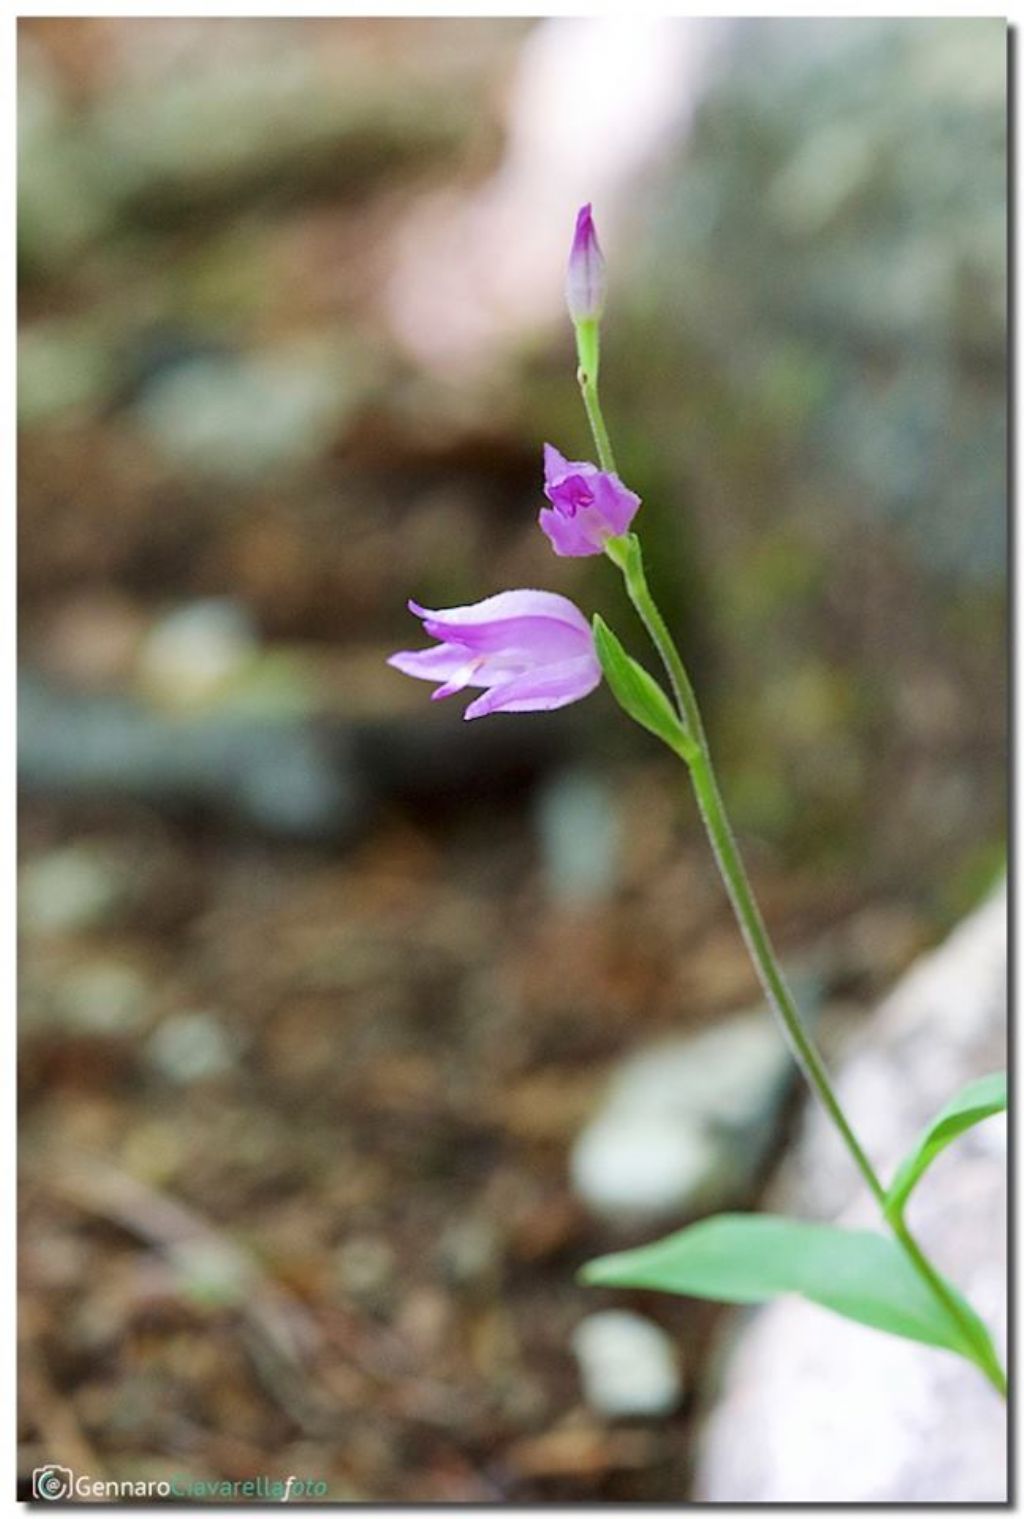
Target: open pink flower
[(588, 506), (532, 651)]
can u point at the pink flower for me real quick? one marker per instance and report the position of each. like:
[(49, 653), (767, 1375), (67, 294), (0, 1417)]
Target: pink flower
[(532, 651), (585, 284), (587, 508)]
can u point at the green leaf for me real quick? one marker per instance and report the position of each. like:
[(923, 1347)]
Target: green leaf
[(751, 1258), (979, 1099), (637, 693)]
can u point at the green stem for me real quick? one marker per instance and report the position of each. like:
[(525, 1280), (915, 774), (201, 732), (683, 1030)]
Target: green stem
[(625, 552), (780, 999), (804, 1050), (762, 953), (983, 1353), (606, 458), (588, 350)]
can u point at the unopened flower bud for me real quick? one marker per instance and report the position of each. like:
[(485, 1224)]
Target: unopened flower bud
[(585, 284)]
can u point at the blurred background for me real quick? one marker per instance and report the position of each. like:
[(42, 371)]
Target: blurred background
[(331, 1006)]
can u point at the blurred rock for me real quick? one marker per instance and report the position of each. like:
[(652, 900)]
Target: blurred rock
[(267, 754), (192, 654), (277, 774), (191, 1047), (279, 115), (68, 889), (861, 273), (186, 129), (814, 1408), (578, 827), (102, 996), (365, 1266), (685, 1124), (632, 1166), (236, 419), (210, 1273), (628, 1366)]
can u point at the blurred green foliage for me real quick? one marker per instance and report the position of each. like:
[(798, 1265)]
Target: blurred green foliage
[(813, 366)]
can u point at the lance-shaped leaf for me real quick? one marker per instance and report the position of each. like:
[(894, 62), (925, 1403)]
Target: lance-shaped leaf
[(751, 1258), (637, 693), (978, 1100)]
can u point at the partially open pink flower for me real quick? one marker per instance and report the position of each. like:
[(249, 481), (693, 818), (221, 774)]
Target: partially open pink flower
[(587, 508), (585, 285), (532, 651)]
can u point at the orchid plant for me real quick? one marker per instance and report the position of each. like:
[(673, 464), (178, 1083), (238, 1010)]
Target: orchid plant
[(533, 651)]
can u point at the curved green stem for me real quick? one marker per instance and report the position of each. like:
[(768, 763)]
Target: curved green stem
[(625, 552), (982, 1351), (804, 1050), (762, 953)]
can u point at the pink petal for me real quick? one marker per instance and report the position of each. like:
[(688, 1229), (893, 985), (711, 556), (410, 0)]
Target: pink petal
[(540, 690), (508, 604), (556, 465), (568, 535), (537, 624), (557, 468), (520, 640), (444, 663), (616, 503)]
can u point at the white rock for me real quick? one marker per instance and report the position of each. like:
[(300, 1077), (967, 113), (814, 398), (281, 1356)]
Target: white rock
[(814, 1408), (578, 828), (628, 1366), (72, 888), (193, 653), (727, 1074), (684, 1123), (634, 1166), (236, 418), (191, 1047)]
